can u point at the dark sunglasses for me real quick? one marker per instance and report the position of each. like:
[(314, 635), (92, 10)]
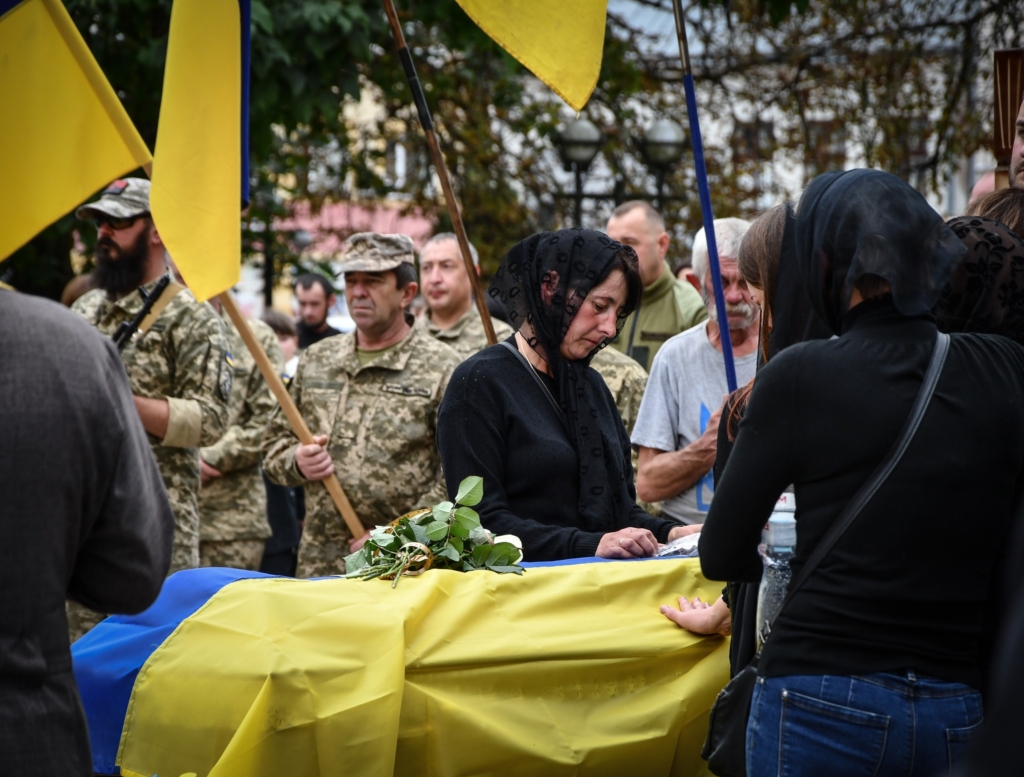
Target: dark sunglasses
[(115, 222)]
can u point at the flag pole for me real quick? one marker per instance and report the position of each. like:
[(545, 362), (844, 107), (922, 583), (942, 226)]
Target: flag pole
[(405, 56), (705, 195), (291, 412)]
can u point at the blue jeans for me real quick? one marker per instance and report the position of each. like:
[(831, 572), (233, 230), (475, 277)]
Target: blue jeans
[(875, 725)]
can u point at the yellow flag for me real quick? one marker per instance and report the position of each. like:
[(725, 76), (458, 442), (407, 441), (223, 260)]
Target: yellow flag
[(567, 670), (195, 197), (561, 41), (63, 132)]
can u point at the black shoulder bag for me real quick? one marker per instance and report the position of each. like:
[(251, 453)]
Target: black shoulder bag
[(725, 748)]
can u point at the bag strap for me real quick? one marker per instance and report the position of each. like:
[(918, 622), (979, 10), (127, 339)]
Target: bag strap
[(878, 477), (536, 377)]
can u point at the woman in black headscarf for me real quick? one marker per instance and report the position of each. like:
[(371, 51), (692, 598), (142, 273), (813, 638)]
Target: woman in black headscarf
[(767, 262), (536, 422), (872, 668)]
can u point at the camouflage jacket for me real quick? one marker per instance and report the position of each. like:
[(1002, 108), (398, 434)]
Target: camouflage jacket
[(234, 506), (626, 379), (183, 359), (381, 421), (466, 336)]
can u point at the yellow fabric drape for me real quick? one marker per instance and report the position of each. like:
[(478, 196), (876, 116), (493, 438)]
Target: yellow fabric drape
[(564, 671), (63, 132), (559, 42)]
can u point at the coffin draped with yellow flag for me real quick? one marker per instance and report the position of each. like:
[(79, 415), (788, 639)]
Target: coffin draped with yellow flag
[(567, 670)]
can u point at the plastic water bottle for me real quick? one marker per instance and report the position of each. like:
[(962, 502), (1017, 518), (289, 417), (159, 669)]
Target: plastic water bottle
[(777, 548)]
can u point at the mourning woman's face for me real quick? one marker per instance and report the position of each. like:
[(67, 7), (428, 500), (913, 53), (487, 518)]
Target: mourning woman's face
[(597, 317)]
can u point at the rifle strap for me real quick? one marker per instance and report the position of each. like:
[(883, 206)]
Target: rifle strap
[(168, 294)]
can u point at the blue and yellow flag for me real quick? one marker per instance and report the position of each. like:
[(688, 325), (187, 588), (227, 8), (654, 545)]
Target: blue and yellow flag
[(569, 669), (200, 167), (560, 43), (63, 132)]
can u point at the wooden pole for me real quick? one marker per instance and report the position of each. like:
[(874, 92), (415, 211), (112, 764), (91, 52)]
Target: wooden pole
[(290, 410), (439, 164)]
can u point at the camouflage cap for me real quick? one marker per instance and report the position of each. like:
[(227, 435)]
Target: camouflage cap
[(374, 252), (124, 198)]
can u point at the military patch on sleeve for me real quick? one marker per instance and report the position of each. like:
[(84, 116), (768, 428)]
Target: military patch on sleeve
[(226, 376), (408, 391)]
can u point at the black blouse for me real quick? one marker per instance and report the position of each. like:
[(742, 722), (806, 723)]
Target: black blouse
[(495, 422), (906, 586)]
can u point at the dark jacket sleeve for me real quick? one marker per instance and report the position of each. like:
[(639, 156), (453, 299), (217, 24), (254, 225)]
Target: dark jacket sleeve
[(471, 443), (124, 555), (759, 468)]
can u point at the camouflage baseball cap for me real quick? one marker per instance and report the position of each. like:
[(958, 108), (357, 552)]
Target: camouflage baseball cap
[(374, 252), (124, 198)]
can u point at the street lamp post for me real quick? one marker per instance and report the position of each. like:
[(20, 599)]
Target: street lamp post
[(662, 146), (578, 144)]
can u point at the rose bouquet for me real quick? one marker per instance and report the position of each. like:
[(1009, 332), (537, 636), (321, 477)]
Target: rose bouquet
[(449, 536)]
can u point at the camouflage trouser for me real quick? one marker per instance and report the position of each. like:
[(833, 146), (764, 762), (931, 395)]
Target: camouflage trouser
[(236, 554), (81, 619), (321, 559)]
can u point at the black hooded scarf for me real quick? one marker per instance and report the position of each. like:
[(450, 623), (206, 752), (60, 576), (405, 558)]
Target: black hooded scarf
[(542, 281), (864, 222)]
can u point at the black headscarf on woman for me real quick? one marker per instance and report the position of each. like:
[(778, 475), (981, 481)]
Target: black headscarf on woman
[(868, 222), (986, 293), (564, 266)]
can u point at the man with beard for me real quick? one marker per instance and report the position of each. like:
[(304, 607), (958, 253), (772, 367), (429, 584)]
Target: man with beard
[(370, 398), (316, 298), (669, 305), (677, 427), (179, 367)]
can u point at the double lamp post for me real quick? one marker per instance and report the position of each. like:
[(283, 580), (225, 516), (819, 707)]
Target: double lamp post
[(661, 147)]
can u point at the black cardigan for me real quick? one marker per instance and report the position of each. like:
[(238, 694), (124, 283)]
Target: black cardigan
[(907, 584), (495, 422)]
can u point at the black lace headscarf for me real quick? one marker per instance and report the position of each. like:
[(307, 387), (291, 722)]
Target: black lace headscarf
[(986, 293), (564, 266), (868, 222)]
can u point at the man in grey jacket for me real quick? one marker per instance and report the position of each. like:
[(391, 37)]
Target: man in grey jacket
[(83, 515)]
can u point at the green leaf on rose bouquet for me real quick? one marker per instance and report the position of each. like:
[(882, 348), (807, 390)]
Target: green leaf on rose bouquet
[(442, 512), (480, 554), (449, 553), (471, 491), (419, 532), (505, 569), (468, 518), (458, 530), (437, 530), (355, 562)]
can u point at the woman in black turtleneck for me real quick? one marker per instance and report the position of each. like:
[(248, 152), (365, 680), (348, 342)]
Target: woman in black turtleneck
[(872, 668)]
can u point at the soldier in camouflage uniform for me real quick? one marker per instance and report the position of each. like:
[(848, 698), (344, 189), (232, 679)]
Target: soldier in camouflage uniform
[(626, 379), (178, 369), (451, 315), (233, 501), (370, 397)]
